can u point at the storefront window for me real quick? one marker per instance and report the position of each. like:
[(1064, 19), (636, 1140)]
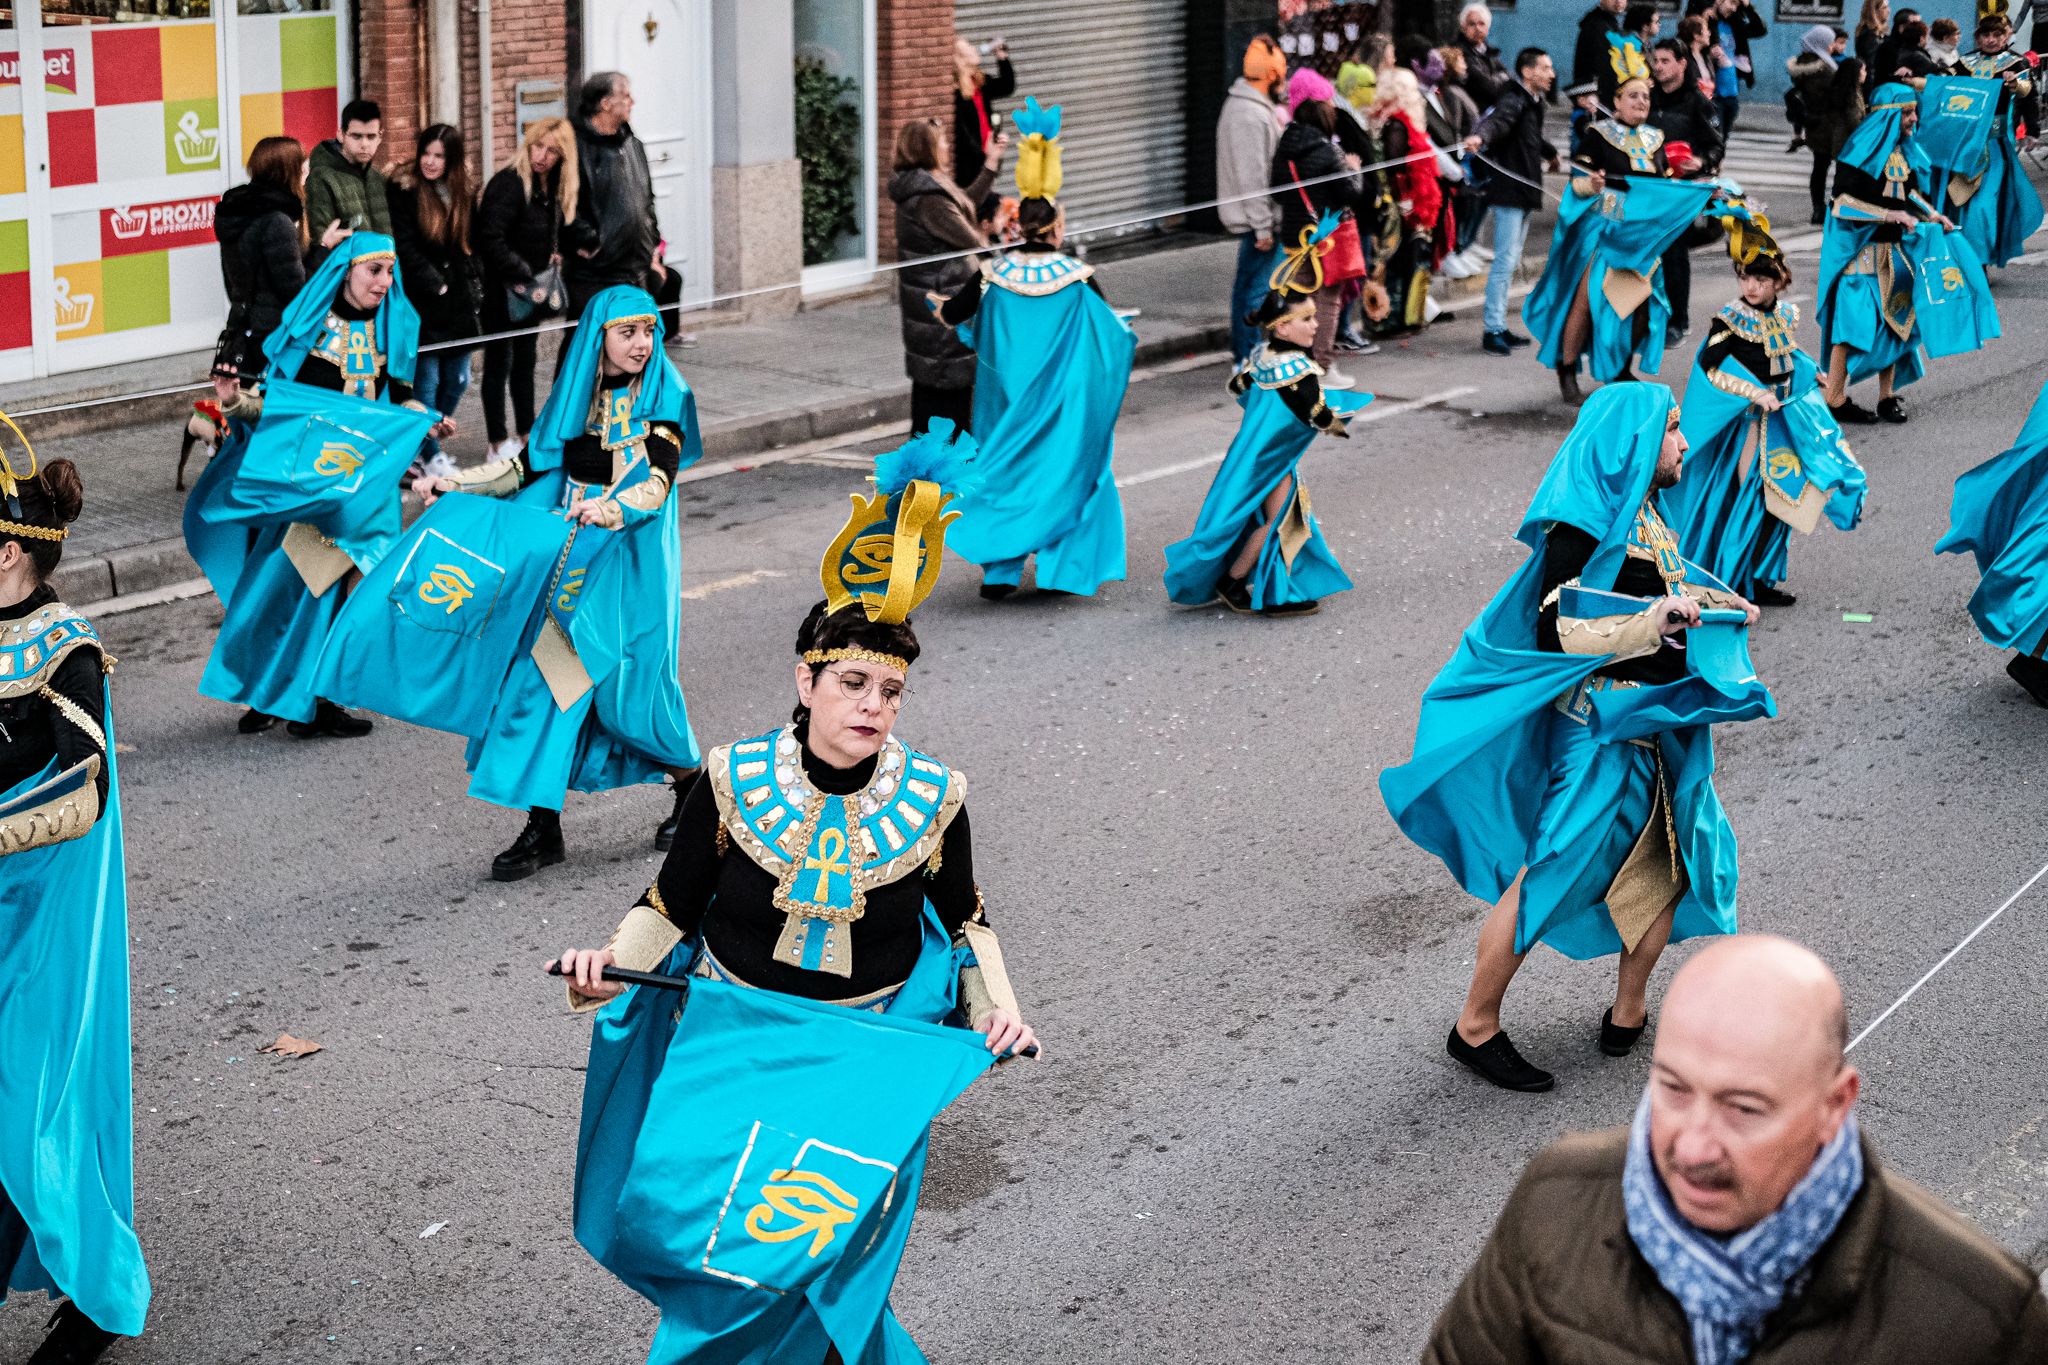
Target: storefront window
[(57, 12), (284, 6), (834, 133)]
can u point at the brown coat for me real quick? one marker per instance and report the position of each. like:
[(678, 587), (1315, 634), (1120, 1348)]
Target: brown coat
[(1904, 1281)]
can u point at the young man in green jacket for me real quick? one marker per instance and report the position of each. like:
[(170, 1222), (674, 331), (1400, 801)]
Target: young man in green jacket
[(342, 186)]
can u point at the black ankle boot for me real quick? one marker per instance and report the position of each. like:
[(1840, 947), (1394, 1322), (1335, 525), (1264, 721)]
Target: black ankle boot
[(665, 832), (2031, 674), (254, 722), (1770, 595), (74, 1338), (1615, 1040), (539, 845), (1236, 594), (1568, 384), (331, 722)]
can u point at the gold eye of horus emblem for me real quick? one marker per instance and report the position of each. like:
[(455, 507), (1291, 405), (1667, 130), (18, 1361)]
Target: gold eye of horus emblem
[(817, 1207), (449, 585)]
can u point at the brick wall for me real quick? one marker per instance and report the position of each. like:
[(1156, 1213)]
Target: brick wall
[(913, 80), (390, 69)]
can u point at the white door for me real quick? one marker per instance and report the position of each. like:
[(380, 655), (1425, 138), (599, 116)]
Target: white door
[(664, 47)]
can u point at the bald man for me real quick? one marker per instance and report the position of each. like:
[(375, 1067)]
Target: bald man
[(1742, 1217)]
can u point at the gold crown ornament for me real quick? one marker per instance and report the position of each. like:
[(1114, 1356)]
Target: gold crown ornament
[(885, 560), (1038, 155), (11, 480)]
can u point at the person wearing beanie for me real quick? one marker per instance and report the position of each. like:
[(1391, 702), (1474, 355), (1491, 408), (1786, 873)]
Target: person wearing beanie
[(1309, 179)]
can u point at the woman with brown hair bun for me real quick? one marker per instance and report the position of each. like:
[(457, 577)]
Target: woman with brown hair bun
[(935, 216), (67, 1203)]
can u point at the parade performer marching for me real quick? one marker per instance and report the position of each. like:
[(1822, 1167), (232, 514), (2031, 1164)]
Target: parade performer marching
[(1873, 250), (1601, 297), (1256, 545), (821, 900), (67, 1200), (1564, 760), (545, 627), (1993, 201), (1765, 455), (1055, 360), (306, 491), (2000, 515)]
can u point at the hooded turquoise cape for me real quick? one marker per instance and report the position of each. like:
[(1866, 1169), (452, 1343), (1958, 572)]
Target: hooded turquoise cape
[(67, 1187), (442, 633), (1719, 509), (277, 472), (1964, 136), (1612, 230), (1053, 363), (1501, 780), (2000, 515), (712, 1132), (1269, 446), (1852, 309)]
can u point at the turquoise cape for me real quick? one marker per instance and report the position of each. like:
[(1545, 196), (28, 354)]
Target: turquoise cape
[(1053, 363), (1856, 310), (740, 1167), (1952, 303), (1269, 446), (1612, 230), (2000, 515), (327, 459), (1721, 510), (1964, 136), (1502, 780), (67, 1186)]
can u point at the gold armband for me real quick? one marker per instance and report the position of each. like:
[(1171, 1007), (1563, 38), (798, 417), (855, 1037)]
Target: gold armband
[(642, 942), (985, 987), (493, 478), (1741, 388), (247, 404), (647, 494), (64, 816), (1625, 637)]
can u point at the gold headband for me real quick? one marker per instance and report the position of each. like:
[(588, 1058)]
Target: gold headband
[(18, 528), (373, 256), (630, 319), (850, 653), (1305, 309), (1909, 104)]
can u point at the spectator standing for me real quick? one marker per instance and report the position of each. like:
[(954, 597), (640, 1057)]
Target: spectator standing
[(1306, 151), (432, 205), (1884, 60), (1872, 28), (261, 228), (1910, 60), (1815, 73), (1692, 31), (974, 117), (935, 217), (1510, 137), (1731, 24), (519, 228), (1450, 117), (1944, 36), (1486, 75), (1589, 54), (1246, 134), (1743, 1216), (614, 238), (343, 184), (1398, 116), (1693, 148)]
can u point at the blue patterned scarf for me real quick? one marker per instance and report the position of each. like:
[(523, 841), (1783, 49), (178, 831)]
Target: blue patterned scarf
[(1727, 1287)]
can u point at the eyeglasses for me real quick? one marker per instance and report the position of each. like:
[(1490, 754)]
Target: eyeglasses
[(856, 685)]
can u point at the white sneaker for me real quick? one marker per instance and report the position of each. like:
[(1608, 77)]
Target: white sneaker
[(1456, 268), (1430, 308), (442, 466), (1337, 379), (1480, 250), (507, 448)]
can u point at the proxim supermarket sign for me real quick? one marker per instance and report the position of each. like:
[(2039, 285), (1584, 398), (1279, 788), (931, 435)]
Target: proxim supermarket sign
[(136, 228)]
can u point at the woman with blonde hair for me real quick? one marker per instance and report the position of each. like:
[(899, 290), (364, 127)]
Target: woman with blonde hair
[(975, 120), (1873, 26), (519, 238)]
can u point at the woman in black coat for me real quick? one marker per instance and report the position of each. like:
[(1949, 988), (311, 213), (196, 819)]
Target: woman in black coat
[(1306, 152), (518, 237), (975, 120), (936, 218), (431, 207), (261, 228)]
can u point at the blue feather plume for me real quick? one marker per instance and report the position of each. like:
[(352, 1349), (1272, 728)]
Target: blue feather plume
[(936, 457), (1325, 225), (1032, 119)]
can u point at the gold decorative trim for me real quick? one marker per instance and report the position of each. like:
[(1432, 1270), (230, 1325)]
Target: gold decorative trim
[(21, 528), (850, 653), (76, 714), (58, 820)]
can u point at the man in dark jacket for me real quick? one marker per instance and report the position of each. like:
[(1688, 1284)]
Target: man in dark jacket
[(342, 184), (1589, 54), (1486, 75), (616, 235), (1510, 137), (1743, 1217), (1684, 115)]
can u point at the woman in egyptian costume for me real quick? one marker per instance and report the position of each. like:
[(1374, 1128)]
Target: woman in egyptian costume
[(281, 579), (1055, 360), (825, 860), (67, 1201)]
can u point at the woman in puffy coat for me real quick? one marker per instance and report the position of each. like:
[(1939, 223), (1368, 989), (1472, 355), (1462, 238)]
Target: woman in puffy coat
[(432, 203), (261, 228), (936, 217), (518, 235)]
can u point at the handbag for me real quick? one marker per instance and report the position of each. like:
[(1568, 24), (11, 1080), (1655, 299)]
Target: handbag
[(545, 295), (1343, 254)]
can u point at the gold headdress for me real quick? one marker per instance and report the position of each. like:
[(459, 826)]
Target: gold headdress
[(1297, 277), (11, 480), (1038, 155), (885, 560)]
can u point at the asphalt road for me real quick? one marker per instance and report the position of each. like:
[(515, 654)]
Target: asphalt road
[(1246, 1143)]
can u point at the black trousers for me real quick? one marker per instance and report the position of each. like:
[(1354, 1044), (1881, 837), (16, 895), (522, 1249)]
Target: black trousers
[(508, 364), (1818, 185), (927, 402), (1678, 283)]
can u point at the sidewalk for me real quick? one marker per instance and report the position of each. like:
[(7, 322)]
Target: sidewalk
[(830, 370)]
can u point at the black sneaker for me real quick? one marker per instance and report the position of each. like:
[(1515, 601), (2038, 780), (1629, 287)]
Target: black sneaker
[(1236, 595), (1892, 409), (996, 592), (1496, 1060), (1516, 339), (1766, 595), (1852, 414), (1675, 334), (74, 1338), (1496, 343), (539, 845), (665, 832), (1308, 608), (1617, 1041), (2031, 674), (254, 722), (329, 722)]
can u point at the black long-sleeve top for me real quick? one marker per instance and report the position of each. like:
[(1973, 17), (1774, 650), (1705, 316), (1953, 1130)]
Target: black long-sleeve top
[(967, 302), (1596, 153), (585, 459), (33, 731), (1724, 342), (728, 898), (1566, 549), (1854, 183)]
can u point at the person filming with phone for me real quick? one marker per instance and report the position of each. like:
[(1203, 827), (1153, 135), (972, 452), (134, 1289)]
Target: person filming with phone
[(975, 119)]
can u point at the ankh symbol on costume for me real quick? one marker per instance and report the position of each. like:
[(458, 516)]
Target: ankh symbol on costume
[(447, 584), (818, 1206), (830, 860)]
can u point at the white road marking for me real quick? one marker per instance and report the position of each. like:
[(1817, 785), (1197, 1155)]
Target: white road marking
[(1181, 366), (1377, 412), (738, 580)]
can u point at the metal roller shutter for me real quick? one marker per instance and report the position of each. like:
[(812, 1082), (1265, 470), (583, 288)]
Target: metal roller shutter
[(1118, 70)]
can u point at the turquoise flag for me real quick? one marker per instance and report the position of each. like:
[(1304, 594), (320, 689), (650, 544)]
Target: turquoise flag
[(429, 635), (1951, 297), (327, 459), (753, 1168), (1957, 117)]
